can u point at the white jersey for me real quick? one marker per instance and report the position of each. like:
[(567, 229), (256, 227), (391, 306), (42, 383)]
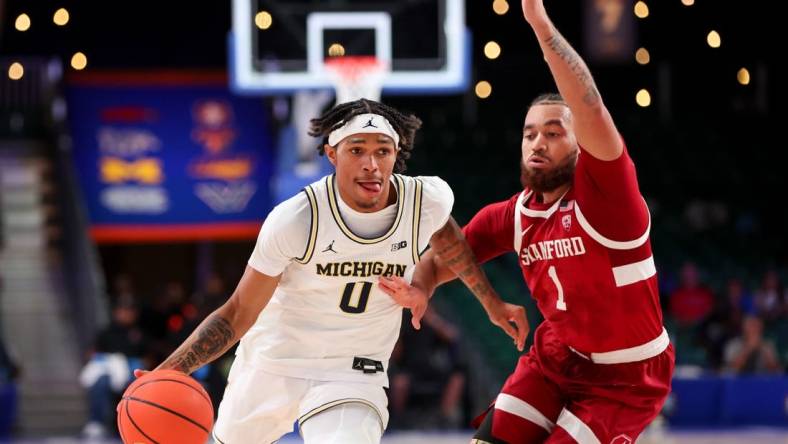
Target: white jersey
[(328, 320)]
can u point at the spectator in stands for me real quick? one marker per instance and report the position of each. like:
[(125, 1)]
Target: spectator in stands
[(750, 352), (123, 288), (119, 348), (2, 231), (426, 365), (8, 390), (770, 297), (164, 315), (213, 295), (725, 323), (692, 302)]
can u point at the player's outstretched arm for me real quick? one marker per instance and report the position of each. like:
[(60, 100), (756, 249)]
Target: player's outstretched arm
[(595, 130), (225, 326), (450, 256)]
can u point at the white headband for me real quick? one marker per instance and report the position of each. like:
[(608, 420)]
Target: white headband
[(364, 124)]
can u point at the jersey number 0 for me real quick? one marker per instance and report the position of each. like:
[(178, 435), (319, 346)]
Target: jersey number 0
[(355, 297)]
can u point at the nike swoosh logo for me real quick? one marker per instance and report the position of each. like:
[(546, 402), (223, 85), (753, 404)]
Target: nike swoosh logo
[(526, 229)]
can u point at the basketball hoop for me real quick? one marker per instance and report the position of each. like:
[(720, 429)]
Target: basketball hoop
[(356, 77)]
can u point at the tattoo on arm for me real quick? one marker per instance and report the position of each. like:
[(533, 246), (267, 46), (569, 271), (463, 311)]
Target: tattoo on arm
[(561, 47), (210, 339), (450, 246)]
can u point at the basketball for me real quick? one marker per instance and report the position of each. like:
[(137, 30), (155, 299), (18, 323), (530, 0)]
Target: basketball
[(165, 407)]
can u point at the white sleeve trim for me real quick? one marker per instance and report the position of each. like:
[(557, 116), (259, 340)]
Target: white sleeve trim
[(446, 195), (437, 200), (284, 236), (609, 243), (518, 225), (262, 268), (635, 272)]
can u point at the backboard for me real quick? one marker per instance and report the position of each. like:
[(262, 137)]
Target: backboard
[(279, 46)]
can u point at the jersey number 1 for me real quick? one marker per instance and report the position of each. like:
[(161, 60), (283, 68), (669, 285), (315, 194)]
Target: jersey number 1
[(349, 304), (560, 304)]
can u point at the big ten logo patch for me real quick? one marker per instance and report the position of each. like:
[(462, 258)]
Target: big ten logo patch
[(399, 245)]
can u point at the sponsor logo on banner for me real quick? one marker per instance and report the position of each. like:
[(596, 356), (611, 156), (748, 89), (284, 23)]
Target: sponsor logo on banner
[(226, 198), (146, 170), (215, 133), (214, 129), (130, 170), (192, 156), (224, 169), (230, 189), (131, 199), (127, 142)]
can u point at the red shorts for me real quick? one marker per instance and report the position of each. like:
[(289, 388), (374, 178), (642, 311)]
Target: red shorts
[(557, 396)]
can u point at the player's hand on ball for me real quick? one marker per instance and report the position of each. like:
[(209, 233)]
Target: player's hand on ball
[(504, 315), (406, 295)]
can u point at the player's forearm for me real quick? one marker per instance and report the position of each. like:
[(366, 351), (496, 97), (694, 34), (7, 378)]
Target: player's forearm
[(593, 124), (453, 250), (225, 326), (570, 72), (214, 336), (430, 273), (424, 276)]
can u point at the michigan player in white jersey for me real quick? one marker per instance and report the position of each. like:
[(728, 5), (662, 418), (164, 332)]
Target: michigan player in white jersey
[(316, 331)]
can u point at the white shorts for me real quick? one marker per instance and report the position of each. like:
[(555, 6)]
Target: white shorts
[(260, 407)]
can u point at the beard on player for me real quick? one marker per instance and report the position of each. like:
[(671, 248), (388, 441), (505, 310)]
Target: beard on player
[(541, 180)]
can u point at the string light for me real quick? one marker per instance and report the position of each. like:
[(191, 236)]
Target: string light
[(483, 89), (492, 50), (263, 20), (643, 98), (16, 71), (61, 17), (22, 22)]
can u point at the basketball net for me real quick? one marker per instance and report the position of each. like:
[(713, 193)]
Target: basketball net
[(356, 77)]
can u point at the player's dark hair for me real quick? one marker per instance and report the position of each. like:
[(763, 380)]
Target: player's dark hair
[(404, 124), (548, 99)]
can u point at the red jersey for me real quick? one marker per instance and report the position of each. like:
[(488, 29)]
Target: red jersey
[(586, 259)]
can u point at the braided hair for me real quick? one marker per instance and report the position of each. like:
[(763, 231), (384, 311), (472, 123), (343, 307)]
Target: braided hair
[(404, 124)]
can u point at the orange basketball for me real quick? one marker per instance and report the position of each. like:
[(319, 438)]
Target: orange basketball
[(165, 407)]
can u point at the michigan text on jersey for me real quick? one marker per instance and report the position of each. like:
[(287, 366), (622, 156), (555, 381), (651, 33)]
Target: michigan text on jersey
[(360, 269)]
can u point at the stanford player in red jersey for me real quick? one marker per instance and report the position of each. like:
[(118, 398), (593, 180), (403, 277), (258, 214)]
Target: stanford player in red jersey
[(600, 367)]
